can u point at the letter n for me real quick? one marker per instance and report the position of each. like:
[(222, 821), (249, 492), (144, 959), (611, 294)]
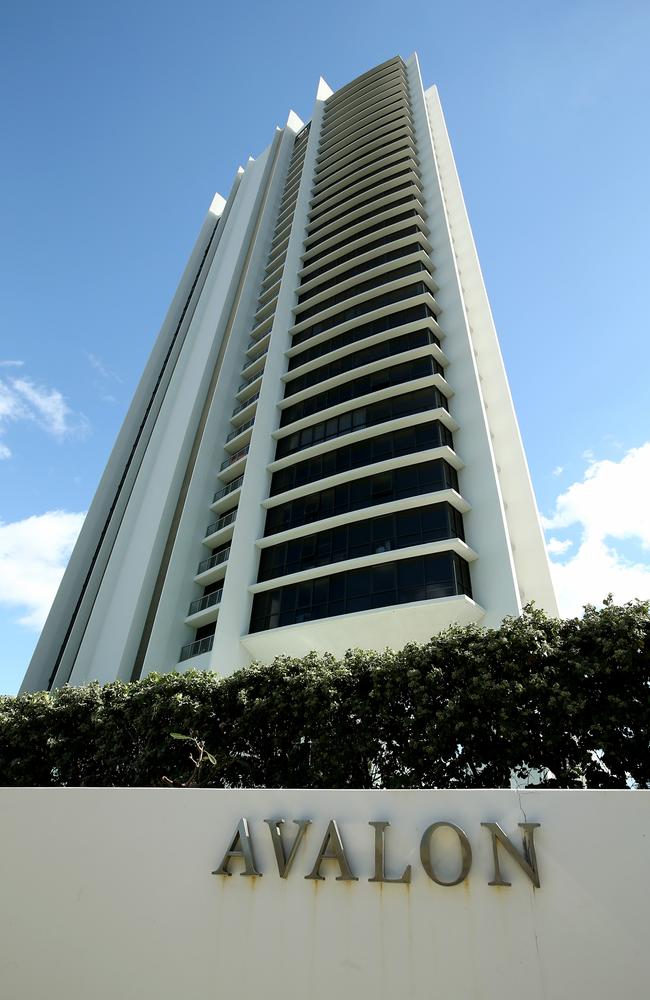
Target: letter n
[(527, 862)]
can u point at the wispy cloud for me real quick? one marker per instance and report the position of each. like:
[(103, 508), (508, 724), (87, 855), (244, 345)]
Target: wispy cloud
[(11, 364), (21, 399), (47, 406), (33, 556), (609, 508), (558, 470), (102, 368)]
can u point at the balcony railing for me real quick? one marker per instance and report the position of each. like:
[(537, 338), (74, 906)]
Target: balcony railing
[(256, 343), (251, 363), (214, 560), (233, 458), (230, 488), (196, 648), (247, 402), (240, 430), (207, 601), (221, 522), (245, 385)]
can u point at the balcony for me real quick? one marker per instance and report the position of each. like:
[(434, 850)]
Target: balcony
[(248, 385), (221, 522), (245, 403), (256, 348), (253, 367), (240, 430), (233, 458), (215, 560), (262, 328), (230, 488), (208, 601), (196, 648)]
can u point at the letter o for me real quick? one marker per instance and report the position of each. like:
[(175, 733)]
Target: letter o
[(465, 853)]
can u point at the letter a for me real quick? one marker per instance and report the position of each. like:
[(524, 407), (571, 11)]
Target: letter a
[(244, 851), (336, 853)]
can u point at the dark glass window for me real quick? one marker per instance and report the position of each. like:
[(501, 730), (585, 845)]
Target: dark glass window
[(352, 176), (367, 265), (405, 441), (373, 96), (358, 219), (384, 378), (362, 332), (353, 170), (324, 170), (401, 582), (339, 199), (395, 484), (394, 182), (415, 267), (397, 118), (387, 299), (205, 630), (364, 117), (376, 352), (347, 238), (363, 416), (359, 105), (379, 77), (382, 241), (361, 538)]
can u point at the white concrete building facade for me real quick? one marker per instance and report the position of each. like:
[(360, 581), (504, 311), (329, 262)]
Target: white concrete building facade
[(322, 452)]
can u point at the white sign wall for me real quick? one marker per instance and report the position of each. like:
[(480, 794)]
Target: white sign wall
[(110, 893)]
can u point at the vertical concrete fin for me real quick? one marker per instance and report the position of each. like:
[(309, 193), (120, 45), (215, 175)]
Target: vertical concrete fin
[(218, 204), (295, 122), (323, 90)]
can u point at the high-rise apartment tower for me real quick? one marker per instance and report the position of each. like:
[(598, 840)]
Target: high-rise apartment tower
[(322, 451)]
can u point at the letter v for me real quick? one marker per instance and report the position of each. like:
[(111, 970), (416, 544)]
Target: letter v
[(284, 862)]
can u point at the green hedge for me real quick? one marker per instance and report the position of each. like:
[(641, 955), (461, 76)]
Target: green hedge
[(568, 700)]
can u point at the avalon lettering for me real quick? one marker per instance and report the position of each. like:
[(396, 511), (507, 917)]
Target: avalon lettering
[(332, 849)]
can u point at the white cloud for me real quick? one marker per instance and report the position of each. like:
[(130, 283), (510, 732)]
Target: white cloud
[(23, 400), (558, 470), (33, 556), (608, 505), (556, 547), (45, 405), (100, 366), (11, 364)]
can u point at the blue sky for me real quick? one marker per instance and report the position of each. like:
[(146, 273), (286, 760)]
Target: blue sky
[(121, 120)]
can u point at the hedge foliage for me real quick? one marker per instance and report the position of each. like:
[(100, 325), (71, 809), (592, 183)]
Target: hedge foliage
[(564, 703)]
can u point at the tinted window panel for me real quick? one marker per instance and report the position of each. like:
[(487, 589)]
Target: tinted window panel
[(401, 405), (360, 538), (358, 590), (406, 441)]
